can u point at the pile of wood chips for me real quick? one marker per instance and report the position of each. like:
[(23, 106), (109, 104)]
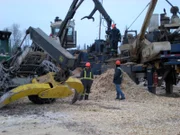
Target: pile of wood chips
[(104, 89)]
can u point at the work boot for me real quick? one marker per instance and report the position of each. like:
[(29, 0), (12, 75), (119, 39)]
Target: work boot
[(86, 97), (122, 98), (81, 98)]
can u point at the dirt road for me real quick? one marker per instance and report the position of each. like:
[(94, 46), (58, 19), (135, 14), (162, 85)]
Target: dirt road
[(142, 113), (91, 118)]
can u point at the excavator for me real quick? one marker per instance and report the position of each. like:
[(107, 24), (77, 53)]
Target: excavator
[(42, 72)]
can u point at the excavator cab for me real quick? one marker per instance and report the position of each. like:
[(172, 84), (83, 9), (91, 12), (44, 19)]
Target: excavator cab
[(70, 38)]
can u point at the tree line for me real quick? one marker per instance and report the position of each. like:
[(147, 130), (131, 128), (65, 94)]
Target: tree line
[(17, 36)]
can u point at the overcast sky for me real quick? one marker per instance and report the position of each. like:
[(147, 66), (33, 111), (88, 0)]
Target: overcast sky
[(39, 13)]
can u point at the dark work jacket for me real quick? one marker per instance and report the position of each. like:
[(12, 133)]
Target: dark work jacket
[(115, 35), (117, 76)]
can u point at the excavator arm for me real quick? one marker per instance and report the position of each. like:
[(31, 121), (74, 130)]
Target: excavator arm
[(98, 6), (147, 19), (72, 10), (134, 50)]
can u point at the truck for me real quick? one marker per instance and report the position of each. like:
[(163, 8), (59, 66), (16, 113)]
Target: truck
[(154, 55)]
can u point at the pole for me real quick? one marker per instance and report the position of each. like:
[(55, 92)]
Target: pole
[(100, 22)]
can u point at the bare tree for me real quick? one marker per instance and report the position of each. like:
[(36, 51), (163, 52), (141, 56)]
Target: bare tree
[(78, 47), (16, 36), (6, 29), (27, 40), (84, 46)]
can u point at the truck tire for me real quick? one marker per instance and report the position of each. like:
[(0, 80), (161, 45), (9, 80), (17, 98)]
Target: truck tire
[(169, 87), (169, 83), (37, 100), (153, 90)]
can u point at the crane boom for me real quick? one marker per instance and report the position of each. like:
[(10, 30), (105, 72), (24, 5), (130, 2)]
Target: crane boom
[(147, 18), (71, 12)]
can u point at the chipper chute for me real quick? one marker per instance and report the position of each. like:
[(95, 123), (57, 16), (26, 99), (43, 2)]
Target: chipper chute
[(44, 87)]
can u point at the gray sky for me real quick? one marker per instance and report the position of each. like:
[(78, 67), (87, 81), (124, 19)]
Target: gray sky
[(39, 13)]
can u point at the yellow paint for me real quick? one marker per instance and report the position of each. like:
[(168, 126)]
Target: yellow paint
[(22, 91), (75, 84), (177, 69), (60, 91), (157, 65), (61, 59)]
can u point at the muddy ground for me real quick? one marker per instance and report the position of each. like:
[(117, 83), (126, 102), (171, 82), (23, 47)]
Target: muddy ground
[(141, 113)]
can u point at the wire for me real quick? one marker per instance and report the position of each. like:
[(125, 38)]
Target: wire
[(139, 15)]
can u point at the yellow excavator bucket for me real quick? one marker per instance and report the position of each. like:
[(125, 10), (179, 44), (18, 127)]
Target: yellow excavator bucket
[(22, 91), (44, 87)]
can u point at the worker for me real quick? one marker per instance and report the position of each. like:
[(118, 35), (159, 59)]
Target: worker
[(87, 80), (114, 37), (118, 75)]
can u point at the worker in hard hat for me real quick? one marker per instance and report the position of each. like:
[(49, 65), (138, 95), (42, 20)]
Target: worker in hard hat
[(118, 75), (114, 37), (87, 80)]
